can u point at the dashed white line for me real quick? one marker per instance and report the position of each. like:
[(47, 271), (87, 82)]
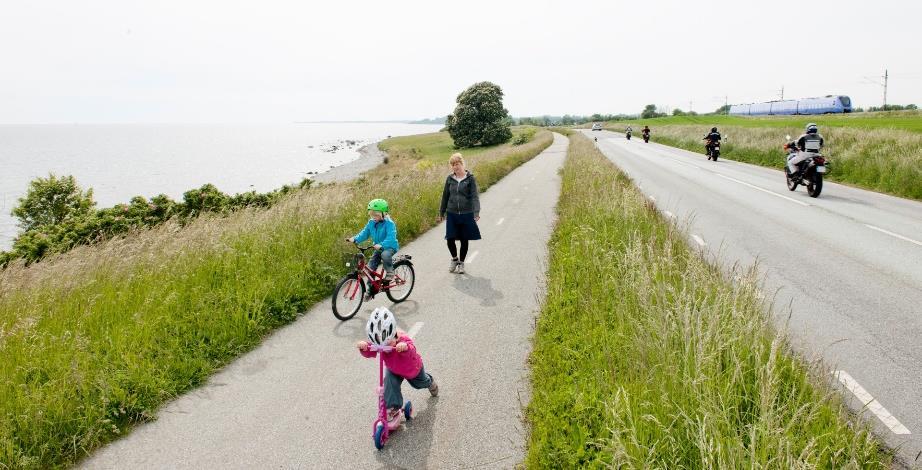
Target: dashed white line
[(415, 329), (870, 402), (669, 214), (910, 240), (470, 259), (763, 190), (699, 240), (500, 221)]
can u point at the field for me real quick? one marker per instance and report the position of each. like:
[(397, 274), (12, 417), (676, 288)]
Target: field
[(97, 339), (899, 120), (646, 357)]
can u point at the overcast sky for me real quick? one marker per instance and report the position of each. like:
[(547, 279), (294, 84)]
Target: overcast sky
[(114, 61)]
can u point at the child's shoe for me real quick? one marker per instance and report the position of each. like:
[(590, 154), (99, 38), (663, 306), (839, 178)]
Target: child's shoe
[(453, 265), (394, 417), (460, 268), (388, 277), (434, 389)]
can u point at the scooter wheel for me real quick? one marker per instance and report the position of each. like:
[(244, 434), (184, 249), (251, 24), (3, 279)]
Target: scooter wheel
[(408, 410), (379, 436)]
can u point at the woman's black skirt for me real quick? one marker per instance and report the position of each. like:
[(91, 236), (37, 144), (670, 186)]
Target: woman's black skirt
[(461, 227)]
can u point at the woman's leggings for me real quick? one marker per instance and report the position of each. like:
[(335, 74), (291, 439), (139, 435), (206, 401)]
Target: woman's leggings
[(454, 250)]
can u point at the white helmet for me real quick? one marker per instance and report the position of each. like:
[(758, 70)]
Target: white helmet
[(381, 326)]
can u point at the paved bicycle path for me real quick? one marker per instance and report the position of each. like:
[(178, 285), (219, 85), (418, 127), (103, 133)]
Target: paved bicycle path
[(306, 398)]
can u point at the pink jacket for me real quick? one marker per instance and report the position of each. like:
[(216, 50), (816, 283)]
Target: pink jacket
[(405, 364)]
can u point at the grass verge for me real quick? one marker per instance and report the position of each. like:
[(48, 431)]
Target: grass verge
[(95, 340), (646, 357)]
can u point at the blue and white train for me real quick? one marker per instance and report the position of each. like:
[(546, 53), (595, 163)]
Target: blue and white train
[(824, 105)]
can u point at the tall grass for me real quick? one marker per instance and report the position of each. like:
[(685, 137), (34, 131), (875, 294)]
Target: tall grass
[(883, 160), (645, 357), (95, 340)]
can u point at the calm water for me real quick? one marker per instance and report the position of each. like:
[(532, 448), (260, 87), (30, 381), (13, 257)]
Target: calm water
[(121, 161)]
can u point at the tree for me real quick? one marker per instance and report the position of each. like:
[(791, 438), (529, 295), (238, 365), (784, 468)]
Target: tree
[(479, 117), (649, 111), (725, 109), (52, 201), (678, 112)]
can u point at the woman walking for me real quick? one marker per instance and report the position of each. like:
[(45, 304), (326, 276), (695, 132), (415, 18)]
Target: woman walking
[(461, 201)]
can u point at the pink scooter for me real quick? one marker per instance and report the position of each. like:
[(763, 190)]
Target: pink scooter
[(381, 429)]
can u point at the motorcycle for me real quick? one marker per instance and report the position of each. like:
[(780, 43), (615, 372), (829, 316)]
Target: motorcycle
[(811, 170), (646, 137), (627, 135), (713, 149)]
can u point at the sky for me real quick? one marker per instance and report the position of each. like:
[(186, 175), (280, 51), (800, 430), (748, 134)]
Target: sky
[(203, 61)]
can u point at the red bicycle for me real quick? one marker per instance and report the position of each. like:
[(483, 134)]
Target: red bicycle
[(349, 292)]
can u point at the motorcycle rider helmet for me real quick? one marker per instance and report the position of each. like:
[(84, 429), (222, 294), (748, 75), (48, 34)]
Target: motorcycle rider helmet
[(379, 205), (381, 326), (713, 129), (811, 128)]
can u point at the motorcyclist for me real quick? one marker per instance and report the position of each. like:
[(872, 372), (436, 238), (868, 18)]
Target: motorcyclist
[(645, 132), (629, 130), (712, 138), (810, 142)]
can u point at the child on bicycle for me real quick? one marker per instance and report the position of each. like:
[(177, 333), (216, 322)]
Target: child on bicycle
[(383, 232), (402, 362)]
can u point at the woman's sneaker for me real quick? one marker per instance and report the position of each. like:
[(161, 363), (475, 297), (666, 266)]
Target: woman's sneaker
[(460, 268), (453, 265)]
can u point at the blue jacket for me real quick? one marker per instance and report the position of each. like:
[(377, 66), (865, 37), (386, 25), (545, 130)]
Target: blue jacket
[(382, 233)]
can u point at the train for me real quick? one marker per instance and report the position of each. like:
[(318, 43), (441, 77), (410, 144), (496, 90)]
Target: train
[(824, 105)]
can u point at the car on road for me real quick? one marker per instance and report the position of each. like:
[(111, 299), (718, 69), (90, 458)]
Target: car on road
[(597, 126)]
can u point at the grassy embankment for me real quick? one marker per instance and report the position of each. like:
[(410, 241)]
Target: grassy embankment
[(646, 357), (95, 340), (878, 151)]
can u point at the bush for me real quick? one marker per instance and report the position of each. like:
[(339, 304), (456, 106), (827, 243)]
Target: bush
[(524, 137), (51, 201)]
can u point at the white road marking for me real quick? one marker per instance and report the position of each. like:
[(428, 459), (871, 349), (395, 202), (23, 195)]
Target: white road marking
[(415, 329), (870, 402), (501, 220), (910, 240), (699, 240), (470, 259), (763, 190), (669, 214)]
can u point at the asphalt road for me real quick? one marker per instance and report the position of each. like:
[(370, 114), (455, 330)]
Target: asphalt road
[(306, 399), (844, 270)]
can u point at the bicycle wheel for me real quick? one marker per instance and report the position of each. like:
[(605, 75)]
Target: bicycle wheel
[(402, 284), (348, 297)]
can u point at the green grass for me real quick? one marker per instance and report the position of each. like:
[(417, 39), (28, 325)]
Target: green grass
[(96, 340), (645, 357), (901, 120)]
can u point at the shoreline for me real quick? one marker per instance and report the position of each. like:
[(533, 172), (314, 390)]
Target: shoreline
[(370, 156)]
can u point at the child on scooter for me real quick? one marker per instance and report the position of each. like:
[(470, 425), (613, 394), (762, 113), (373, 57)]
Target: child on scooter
[(383, 232), (403, 362)]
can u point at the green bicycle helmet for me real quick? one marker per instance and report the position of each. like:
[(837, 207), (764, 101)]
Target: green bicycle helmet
[(379, 205)]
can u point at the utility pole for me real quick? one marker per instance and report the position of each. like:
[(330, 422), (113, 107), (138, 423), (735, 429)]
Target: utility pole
[(885, 89), (782, 92)]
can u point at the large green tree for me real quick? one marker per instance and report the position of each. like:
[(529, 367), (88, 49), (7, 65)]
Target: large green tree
[(479, 117), (51, 201)]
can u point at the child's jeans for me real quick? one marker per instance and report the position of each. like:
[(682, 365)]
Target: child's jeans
[(386, 255), (392, 395)]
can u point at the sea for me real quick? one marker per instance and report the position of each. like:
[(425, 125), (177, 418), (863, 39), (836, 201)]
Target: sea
[(121, 161)]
